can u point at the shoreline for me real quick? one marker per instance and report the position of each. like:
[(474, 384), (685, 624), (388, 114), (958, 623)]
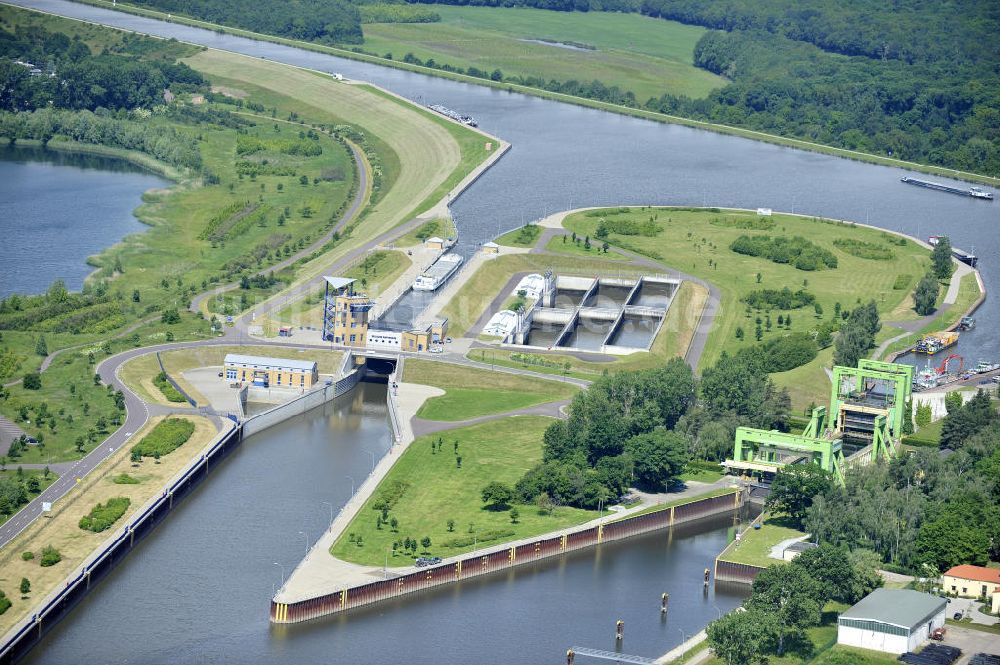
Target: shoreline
[(774, 139)]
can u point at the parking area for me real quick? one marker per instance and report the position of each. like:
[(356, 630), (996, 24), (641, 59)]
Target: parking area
[(969, 607), (971, 642)]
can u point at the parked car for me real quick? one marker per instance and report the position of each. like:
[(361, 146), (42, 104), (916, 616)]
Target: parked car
[(958, 616), (421, 562), (433, 560)]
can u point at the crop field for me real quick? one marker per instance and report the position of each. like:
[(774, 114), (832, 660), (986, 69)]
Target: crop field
[(648, 57)]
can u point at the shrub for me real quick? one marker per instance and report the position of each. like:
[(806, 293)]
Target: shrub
[(774, 299), (756, 223), (167, 388), (788, 352), (864, 250), (4, 602), (389, 496), (902, 282), (102, 516), (528, 235), (627, 227), (124, 479), (50, 557), (166, 437), (27, 556), (32, 381), (795, 250)]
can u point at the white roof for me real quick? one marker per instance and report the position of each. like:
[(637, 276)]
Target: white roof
[(501, 324), (337, 282), (533, 284), (490, 244), (262, 362), (434, 239)]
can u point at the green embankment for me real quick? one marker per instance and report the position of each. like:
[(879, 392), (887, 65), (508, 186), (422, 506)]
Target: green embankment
[(755, 545), (645, 57), (471, 393), (435, 490)]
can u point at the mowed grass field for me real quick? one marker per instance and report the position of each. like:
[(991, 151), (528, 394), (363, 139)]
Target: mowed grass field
[(697, 242), (648, 57), (437, 490), (470, 393)]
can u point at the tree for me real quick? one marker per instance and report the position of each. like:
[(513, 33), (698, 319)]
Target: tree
[(926, 294), (451, 525), (425, 542), (792, 597), (136, 296), (658, 457), (833, 568), (514, 514), (908, 417), (170, 316), (497, 496), (25, 585), (743, 638), (794, 488), (924, 414), (32, 381), (819, 310), (41, 348), (394, 524), (941, 258), (953, 401)]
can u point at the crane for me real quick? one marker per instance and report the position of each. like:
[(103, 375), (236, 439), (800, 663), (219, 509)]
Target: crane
[(944, 364)]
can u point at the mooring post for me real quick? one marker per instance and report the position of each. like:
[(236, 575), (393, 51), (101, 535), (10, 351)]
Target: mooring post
[(570, 657), (619, 630), (663, 602)]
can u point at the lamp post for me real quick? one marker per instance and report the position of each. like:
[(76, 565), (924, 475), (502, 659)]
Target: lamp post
[(305, 539), (331, 511), (373, 459), (351, 478), (282, 572)]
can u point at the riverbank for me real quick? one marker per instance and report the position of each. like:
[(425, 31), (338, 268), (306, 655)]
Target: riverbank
[(133, 157), (570, 99)]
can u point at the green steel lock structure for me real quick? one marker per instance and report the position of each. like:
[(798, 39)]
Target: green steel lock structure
[(867, 407)]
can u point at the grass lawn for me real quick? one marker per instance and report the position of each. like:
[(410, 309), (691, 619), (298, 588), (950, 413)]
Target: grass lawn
[(701, 476), (755, 545), (968, 293), (475, 392), (376, 272), (62, 531), (697, 241), (678, 502), (641, 55), (929, 435), (556, 244), (44, 480), (526, 236), (436, 491), (138, 374), (443, 228)]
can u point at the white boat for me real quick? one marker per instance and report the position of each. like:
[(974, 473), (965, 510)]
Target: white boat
[(438, 274)]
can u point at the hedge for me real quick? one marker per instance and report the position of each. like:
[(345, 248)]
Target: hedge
[(168, 435), (102, 516)]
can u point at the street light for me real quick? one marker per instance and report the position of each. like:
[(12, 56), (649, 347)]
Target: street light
[(373, 458), (331, 510), (352, 484), (305, 539), (282, 572)]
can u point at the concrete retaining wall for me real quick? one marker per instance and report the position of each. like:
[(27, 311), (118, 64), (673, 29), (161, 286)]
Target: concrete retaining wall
[(730, 571), (301, 404), (502, 558)]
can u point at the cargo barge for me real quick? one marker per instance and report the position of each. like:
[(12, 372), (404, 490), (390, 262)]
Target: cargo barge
[(454, 115), (968, 258), (935, 342), (438, 274), (974, 192)]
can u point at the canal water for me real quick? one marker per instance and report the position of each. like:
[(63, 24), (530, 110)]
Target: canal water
[(197, 590), (58, 208)]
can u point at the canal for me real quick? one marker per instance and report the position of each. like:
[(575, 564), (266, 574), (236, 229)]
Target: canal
[(57, 208), (197, 590)]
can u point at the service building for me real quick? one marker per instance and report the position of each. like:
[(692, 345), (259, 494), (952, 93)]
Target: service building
[(271, 372), (345, 313), (971, 581), (891, 620)]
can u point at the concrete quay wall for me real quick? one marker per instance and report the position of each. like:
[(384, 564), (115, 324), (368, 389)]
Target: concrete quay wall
[(485, 562)]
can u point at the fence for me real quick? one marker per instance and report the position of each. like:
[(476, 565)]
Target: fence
[(116, 548), (502, 558)]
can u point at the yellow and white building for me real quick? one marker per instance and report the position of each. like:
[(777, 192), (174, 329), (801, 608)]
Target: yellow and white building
[(270, 372)]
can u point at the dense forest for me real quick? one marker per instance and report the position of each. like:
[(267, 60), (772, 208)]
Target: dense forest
[(40, 69), (909, 79), (324, 21)]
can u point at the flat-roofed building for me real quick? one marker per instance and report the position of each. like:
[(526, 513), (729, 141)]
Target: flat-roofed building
[(891, 620), (270, 372), (970, 581)]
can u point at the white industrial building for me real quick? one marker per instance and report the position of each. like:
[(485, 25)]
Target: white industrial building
[(533, 285), (891, 620)]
